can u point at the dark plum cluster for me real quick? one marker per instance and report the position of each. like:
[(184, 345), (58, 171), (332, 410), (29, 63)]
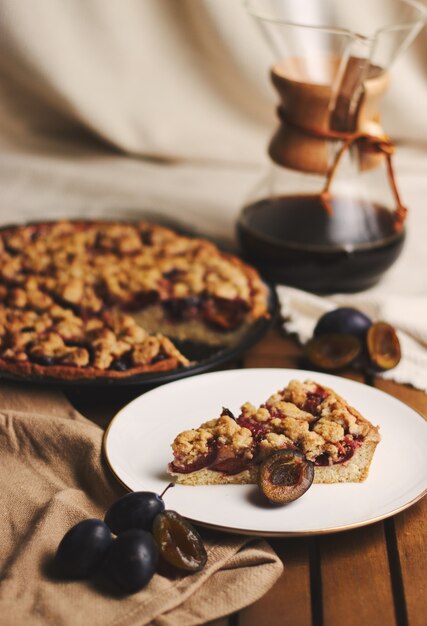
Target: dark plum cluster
[(127, 547), (346, 337)]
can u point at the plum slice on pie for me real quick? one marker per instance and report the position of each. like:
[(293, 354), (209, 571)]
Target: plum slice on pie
[(304, 416)]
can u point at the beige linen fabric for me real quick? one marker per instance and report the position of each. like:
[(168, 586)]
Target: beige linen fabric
[(169, 78), (51, 477)]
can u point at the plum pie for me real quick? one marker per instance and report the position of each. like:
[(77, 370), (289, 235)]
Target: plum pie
[(304, 416), (86, 299)]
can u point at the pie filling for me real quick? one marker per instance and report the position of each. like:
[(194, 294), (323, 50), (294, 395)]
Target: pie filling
[(218, 313), (328, 433), (218, 460)]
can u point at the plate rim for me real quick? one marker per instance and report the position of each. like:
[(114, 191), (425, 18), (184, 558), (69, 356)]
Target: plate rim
[(254, 533)]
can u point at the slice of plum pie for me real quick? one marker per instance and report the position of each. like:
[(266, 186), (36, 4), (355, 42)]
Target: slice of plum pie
[(304, 416)]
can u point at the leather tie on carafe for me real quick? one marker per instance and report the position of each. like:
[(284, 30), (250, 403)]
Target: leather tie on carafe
[(368, 143)]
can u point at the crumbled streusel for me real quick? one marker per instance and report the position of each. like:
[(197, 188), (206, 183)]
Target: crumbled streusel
[(191, 444), (330, 432)]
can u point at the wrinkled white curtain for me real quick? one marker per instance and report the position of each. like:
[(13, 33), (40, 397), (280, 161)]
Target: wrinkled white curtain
[(174, 79)]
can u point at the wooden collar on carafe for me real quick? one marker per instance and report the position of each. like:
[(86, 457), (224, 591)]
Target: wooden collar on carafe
[(369, 144)]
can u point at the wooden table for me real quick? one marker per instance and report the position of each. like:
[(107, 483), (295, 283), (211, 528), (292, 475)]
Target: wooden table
[(371, 576)]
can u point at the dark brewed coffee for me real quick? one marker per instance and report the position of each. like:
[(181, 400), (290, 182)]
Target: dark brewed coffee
[(293, 240)]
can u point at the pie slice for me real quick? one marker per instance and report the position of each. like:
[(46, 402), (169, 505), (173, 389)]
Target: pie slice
[(304, 415)]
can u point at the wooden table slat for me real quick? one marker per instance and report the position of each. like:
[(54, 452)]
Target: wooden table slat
[(275, 350), (412, 397), (411, 536), (288, 603), (356, 581), (411, 526)]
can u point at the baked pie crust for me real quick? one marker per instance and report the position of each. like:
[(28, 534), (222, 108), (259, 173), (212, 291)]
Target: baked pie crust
[(84, 300), (304, 415)]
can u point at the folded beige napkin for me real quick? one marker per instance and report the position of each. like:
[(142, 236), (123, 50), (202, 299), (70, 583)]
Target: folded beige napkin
[(52, 476)]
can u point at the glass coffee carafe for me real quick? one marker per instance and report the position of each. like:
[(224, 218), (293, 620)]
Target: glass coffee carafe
[(328, 215)]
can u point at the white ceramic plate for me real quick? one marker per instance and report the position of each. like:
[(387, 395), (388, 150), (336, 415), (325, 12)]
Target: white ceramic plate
[(137, 448)]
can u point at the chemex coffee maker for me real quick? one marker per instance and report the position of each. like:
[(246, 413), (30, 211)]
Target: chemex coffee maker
[(328, 216)]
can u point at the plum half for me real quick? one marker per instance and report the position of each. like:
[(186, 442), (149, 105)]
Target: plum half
[(179, 543), (383, 346), (285, 475), (333, 352)]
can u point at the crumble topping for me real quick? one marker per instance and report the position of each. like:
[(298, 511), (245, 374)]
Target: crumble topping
[(336, 411), (248, 410), (53, 347), (294, 429), (228, 432), (190, 445), (77, 261), (274, 441), (287, 409), (296, 392), (312, 445), (329, 430), (60, 337), (270, 443), (329, 434), (262, 415)]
